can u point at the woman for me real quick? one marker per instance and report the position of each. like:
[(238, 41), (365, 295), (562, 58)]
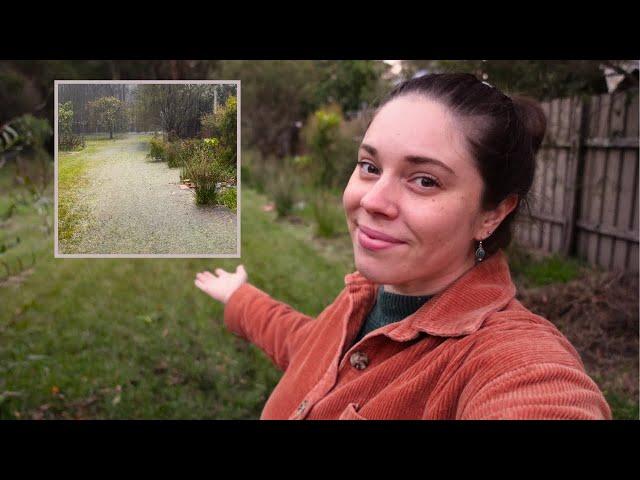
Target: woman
[(428, 327)]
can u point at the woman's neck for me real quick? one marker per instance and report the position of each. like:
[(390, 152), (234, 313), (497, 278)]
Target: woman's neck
[(421, 287)]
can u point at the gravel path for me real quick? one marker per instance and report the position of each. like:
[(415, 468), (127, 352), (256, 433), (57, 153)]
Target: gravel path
[(137, 207)]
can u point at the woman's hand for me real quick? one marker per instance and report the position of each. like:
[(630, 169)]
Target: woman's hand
[(221, 285)]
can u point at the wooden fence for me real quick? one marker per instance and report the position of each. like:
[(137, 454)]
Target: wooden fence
[(584, 200)]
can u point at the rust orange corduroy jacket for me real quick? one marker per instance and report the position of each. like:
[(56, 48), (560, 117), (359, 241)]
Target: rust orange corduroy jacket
[(473, 351)]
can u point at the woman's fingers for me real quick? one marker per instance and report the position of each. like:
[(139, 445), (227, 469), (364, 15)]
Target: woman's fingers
[(219, 271)]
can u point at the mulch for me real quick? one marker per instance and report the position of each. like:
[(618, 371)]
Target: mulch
[(598, 313)]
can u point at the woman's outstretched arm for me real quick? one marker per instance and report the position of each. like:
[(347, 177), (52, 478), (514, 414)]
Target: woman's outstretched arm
[(273, 326)]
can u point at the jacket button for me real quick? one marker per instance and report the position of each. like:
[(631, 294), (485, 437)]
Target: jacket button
[(302, 407), (359, 360)]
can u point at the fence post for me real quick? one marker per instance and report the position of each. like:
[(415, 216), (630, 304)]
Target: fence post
[(574, 178)]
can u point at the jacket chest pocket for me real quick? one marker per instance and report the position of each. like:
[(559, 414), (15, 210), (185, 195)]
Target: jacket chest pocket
[(351, 413)]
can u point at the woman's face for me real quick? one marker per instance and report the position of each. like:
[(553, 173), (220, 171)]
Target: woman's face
[(416, 184)]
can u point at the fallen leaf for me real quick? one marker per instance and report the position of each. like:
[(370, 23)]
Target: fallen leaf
[(116, 400), (55, 390)]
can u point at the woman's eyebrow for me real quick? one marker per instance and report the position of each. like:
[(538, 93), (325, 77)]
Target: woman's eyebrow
[(371, 150), (415, 159)]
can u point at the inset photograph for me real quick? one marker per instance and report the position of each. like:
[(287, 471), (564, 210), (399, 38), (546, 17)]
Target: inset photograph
[(147, 168)]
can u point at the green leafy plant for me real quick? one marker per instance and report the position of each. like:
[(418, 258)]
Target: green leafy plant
[(220, 129), (329, 220), (171, 154), (228, 198), (67, 140), (205, 173), (282, 188), (156, 148), (327, 145)]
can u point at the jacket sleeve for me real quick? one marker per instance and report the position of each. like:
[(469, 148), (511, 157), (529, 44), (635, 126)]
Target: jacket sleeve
[(273, 326), (542, 391)]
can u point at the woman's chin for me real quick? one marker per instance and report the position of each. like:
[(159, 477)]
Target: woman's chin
[(375, 270)]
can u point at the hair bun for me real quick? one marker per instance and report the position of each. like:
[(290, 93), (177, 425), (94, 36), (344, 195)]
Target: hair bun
[(533, 118)]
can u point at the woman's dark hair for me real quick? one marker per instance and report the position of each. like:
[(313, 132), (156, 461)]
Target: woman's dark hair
[(503, 135)]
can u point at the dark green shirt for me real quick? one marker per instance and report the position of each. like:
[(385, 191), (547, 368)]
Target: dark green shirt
[(389, 308)]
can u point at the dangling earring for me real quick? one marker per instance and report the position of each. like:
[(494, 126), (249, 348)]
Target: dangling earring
[(480, 253)]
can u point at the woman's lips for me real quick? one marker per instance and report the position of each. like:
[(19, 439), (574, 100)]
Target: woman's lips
[(372, 240)]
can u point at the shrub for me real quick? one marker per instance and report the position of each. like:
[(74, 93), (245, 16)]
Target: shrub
[(228, 198), (222, 126), (156, 148), (171, 151), (34, 132), (282, 187), (329, 220), (71, 142), (330, 149), (205, 173), (65, 118)]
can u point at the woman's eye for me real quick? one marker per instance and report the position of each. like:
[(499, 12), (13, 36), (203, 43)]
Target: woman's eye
[(367, 167), (426, 182)]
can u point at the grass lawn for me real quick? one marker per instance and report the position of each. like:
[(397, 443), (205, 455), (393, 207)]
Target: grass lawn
[(134, 338)]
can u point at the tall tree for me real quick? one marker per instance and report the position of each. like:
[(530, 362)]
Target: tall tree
[(108, 113)]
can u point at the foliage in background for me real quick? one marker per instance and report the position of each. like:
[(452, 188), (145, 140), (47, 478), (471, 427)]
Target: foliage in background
[(67, 140), (333, 154), (281, 185), (221, 127), (541, 79), (108, 113), (228, 198), (328, 215), (353, 84), (65, 118), (177, 109), (156, 148), (205, 173), (278, 95), (23, 132)]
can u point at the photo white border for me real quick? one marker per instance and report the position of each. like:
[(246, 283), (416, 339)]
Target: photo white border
[(57, 254)]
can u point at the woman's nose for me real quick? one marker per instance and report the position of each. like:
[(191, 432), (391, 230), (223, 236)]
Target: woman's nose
[(381, 198)]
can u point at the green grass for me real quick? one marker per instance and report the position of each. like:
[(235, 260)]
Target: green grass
[(553, 269), (545, 271), (622, 408), (72, 168), (134, 338), (228, 198)]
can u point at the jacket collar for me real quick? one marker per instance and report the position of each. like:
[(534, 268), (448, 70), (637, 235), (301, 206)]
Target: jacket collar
[(461, 308)]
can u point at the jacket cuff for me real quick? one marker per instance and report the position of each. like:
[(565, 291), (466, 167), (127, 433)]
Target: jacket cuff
[(235, 307)]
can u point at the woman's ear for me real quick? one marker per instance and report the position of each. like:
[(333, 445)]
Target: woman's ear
[(494, 218)]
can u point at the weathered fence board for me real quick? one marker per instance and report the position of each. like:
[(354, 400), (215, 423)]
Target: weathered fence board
[(584, 200)]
